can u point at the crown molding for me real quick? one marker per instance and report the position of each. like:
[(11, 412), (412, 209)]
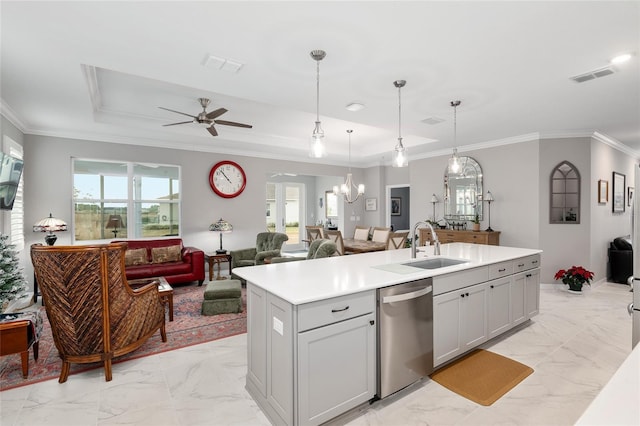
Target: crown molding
[(10, 115), (615, 144)]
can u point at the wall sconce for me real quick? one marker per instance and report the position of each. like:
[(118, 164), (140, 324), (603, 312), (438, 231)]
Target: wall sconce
[(434, 201)]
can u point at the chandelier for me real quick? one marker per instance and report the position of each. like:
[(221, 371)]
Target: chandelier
[(346, 189), (317, 148), (454, 160), (400, 155)]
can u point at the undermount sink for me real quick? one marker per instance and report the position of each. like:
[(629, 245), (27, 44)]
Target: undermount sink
[(435, 263)]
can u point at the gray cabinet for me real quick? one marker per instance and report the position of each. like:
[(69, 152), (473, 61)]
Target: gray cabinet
[(312, 362), (336, 368), (499, 306), (467, 313)]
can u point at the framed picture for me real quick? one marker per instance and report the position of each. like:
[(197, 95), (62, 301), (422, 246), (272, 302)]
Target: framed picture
[(396, 206), (603, 191), (371, 204), (618, 192), (630, 196)]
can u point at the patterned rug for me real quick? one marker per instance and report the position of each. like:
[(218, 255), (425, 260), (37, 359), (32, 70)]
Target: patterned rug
[(188, 328)]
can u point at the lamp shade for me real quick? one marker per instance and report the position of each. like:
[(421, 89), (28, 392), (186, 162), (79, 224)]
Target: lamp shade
[(434, 199), (489, 196), (221, 226), (50, 224), (115, 221)]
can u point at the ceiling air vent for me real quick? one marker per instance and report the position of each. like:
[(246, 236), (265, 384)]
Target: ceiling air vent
[(432, 120), (591, 75)]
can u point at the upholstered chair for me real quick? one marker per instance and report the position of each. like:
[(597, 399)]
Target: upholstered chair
[(381, 235), (94, 315), (317, 250), (268, 245), (361, 233)]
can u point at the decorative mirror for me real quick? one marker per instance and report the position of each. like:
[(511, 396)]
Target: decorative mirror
[(463, 191), (565, 194)]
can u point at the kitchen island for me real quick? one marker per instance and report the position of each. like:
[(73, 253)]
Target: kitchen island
[(312, 324)]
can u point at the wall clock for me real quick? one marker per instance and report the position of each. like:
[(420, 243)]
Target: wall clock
[(227, 179)]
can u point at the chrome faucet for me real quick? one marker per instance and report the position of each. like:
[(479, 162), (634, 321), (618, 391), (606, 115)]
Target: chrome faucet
[(436, 242)]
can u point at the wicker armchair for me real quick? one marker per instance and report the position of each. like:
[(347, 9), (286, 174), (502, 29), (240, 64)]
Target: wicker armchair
[(94, 314)]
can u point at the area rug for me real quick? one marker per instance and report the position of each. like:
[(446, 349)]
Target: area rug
[(482, 376), (188, 328)]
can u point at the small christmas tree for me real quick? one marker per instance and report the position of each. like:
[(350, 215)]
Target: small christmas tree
[(12, 281)]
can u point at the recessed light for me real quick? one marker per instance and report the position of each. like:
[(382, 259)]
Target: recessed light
[(621, 58), (355, 106)]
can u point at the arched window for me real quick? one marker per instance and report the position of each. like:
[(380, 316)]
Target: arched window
[(565, 194)]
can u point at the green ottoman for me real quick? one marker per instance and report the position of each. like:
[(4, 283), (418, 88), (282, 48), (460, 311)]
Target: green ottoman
[(222, 297)]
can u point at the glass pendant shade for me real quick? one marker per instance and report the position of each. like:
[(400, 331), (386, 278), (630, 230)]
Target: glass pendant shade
[(454, 160), (400, 157), (316, 145), (400, 154)]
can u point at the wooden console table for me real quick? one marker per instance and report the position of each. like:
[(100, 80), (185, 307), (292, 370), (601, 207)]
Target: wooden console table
[(462, 236)]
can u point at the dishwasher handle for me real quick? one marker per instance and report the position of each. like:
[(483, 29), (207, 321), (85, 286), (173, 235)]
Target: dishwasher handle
[(407, 296)]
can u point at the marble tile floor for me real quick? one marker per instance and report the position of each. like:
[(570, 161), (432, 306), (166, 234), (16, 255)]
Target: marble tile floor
[(574, 345)]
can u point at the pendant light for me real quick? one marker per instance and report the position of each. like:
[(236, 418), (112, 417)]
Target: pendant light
[(400, 155), (346, 188), (317, 148), (454, 161)]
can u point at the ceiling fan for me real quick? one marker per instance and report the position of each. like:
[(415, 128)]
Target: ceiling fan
[(207, 119)]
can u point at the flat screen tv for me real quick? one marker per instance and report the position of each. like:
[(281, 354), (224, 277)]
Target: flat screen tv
[(10, 172)]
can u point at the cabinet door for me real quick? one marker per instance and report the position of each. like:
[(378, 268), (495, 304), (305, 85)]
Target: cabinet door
[(446, 326), (498, 303), (474, 316), (532, 292), (336, 368), (257, 338), (518, 310)]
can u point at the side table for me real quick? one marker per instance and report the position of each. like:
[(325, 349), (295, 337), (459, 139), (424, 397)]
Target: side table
[(19, 332), (217, 259)]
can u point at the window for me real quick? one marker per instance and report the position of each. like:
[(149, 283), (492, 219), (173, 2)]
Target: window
[(15, 228), (125, 200), (565, 194)]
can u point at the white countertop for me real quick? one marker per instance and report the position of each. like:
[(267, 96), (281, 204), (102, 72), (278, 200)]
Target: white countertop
[(319, 279), (618, 403)]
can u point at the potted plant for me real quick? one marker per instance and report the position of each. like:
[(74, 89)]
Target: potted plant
[(574, 277), (476, 222)]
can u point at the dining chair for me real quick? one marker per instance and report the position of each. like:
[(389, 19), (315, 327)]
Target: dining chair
[(361, 233), (381, 235), (314, 233), (397, 240), (336, 237)]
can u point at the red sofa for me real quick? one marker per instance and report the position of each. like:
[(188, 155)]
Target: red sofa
[(189, 268)]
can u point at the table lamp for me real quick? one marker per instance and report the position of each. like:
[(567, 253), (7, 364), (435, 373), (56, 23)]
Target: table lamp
[(115, 222), (434, 201), (223, 227), (489, 198), (50, 224)]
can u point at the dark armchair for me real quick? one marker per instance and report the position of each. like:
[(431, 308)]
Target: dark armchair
[(94, 315), (620, 259), (268, 245)]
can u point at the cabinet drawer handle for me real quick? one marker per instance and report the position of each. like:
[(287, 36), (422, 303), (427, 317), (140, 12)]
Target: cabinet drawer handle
[(520, 265), (492, 286), (340, 310), (534, 262), (502, 270), (528, 275)]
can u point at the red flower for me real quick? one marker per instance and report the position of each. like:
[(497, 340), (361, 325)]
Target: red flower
[(574, 276)]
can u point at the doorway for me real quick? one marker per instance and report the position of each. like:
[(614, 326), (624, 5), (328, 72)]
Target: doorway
[(398, 205), (285, 211)]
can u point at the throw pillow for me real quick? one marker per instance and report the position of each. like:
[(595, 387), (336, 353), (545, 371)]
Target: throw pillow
[(166, 254), (135, 257)]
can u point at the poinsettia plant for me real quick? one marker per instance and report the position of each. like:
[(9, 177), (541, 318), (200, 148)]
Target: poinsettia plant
[(575, 277)]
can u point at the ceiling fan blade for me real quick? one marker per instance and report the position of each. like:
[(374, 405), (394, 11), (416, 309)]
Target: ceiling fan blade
[(216, 113), (212, 130), (175, 124), (233, 123), (178, 112)]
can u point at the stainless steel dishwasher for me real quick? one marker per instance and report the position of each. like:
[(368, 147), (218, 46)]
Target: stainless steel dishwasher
[(405, 335)]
